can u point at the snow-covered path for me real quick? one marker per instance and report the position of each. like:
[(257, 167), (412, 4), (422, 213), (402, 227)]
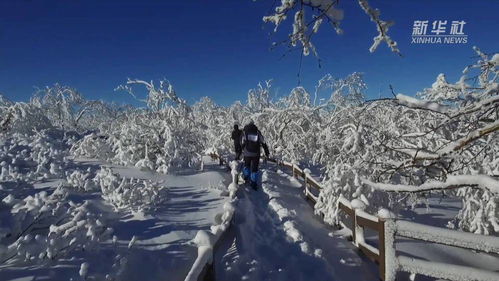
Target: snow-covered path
[(161, 248), (276, 236)]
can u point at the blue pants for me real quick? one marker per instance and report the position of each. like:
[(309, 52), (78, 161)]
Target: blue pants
[(250, 170)]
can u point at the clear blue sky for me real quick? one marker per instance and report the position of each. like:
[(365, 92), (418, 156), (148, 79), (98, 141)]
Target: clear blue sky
[(220, 48)]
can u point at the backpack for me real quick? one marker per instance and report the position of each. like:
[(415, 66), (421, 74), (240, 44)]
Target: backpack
[(253, 141)]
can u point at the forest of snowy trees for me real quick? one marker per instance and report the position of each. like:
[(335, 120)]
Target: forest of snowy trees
[(389, 153), (393, 153)]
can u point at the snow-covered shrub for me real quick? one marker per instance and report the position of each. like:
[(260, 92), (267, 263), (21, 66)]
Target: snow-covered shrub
[(92, 146), (30, 157), (23, 118), (67, 109), (157, 141), (214, 126), (48, 226), (479, 213), (135, 195), (163, 137), (159, 138), (81, 181)]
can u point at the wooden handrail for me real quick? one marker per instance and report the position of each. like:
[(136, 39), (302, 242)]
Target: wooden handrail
[(359, 222), (386, 234), (369, 223), (469, 241), (369, 253), (346, 209)]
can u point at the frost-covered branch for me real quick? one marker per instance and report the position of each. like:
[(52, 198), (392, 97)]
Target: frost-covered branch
[(421, 104), (323, 11), (157, 97), (453, 181), (382, 27)]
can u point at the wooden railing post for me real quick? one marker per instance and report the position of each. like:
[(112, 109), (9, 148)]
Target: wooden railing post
[(306, 175), (305, 183), (359, 230), (351, 214), (381, 247), (387, 258)]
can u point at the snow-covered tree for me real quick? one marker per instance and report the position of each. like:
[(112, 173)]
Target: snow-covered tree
[(64, 106), (323, 11), (403, 149), (390, 153)]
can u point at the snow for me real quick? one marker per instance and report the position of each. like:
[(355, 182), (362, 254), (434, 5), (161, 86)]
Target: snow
[(447, 237), (436, 212), (481, 181), (9, 200), (83, 270), (365, 215), (446, 271), (153, 242), (206, 241), (421, 104), (203, 238), (278, 205), (205, 254), (382, 27), (391, 261), (133, 185), (132, 242), (307, 251), (325, 10), (471, 136), (358, 204), (385, 214), (495, 59), (490, 90)]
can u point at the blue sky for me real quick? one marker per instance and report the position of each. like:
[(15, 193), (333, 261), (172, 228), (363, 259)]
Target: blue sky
[(220, 48)]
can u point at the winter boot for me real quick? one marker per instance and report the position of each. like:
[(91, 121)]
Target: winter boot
[(254, 180), (254, 185), (246, 174)]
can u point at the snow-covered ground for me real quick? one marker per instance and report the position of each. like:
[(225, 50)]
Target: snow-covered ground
[(437, 213), (277, 236), (151, 245), (127, 223)]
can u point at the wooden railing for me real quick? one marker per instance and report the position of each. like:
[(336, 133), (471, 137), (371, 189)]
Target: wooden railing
[(388, 228), (308, 181), (203, 268), (442, 236), (361, 220)]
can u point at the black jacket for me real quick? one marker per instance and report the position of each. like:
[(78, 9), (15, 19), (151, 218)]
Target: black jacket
[(236, 136), (252, 140)]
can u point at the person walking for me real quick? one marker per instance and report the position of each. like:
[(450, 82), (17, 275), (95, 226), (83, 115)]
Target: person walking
[(236, 137), (252, 141)]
